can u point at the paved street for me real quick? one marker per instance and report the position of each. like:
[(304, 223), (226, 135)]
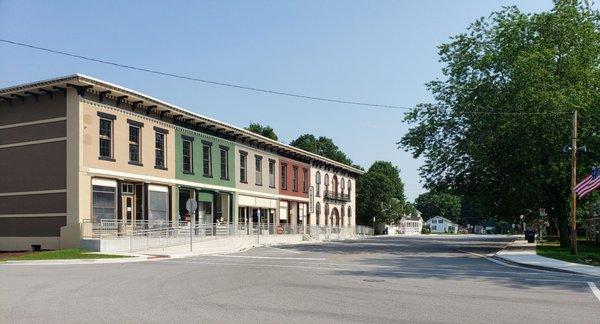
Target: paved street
[(401, 279)]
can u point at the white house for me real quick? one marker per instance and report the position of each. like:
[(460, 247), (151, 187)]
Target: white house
[(439, 224), (411, 224)]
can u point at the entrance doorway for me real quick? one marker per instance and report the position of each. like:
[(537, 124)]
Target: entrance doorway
[(335, 217), (128, 203)]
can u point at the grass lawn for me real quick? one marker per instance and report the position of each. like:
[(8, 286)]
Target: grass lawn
[(587, 253), (56, 255)]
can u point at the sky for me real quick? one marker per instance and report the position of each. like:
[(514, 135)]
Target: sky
[(370, 51)]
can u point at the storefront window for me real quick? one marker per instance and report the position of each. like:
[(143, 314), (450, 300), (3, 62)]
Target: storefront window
[(158, 204), (103, 203)]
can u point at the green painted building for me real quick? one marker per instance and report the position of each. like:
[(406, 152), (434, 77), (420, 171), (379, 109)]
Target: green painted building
[(206, 164)]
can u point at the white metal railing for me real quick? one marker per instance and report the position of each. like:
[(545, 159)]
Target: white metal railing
[(144, 235)]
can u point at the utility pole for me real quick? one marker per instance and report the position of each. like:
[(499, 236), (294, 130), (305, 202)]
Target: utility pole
[(573, 184)]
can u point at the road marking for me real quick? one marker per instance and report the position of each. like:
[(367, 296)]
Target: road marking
[(268, 257), (594, 289), (556, 280), (291, 251)]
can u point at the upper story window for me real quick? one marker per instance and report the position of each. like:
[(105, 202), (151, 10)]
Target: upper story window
[(106, 132), (243, 167), (349, 189), (207, 158), (284, 176), (134, 144), (258, 169), (295, 178), (224, 162), (318, 182), (326, 182), (343, 185), (304, 180), (188, 156), (160, 147), (271, 173)]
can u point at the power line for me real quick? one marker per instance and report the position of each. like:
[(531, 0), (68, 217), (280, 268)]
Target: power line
[(255, 89)]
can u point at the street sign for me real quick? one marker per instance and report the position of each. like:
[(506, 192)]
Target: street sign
[(191, 205), (311, 198)]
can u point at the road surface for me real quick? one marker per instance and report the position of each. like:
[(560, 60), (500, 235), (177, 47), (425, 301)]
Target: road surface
[(383, 280)]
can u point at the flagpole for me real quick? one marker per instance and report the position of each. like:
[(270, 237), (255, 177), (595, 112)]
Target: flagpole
[(573, 184)]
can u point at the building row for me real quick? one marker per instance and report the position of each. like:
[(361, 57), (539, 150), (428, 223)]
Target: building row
[(77, 150)]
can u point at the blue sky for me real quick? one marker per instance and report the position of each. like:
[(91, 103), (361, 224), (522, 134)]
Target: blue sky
[(372, 51)]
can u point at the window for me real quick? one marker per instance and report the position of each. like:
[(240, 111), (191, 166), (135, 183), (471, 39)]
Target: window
[(158, 204), (224, 163), (318, 209), (318, 181), (326, 209), (134, 144), (295, 178), (284, 176), (207, 158), (103, 202), (272, 173), (105, 138), (258, 168), (326, 182), (243, 167), (433, 228), (343, 185), (187, 156), (159, 149), (349, 190), (304, 180)]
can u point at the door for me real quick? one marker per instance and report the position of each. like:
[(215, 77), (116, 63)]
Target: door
[(128, 208)]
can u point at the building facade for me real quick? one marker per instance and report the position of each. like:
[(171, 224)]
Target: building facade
[(76, 151)]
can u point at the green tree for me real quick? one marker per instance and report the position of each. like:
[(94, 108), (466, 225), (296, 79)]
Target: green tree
[(323, 146), (393, 173), (266, 131), (410, 209), (432, 204), (380, 194), (501, 114)]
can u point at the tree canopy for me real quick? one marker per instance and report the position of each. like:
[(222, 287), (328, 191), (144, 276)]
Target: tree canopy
[(323, 146), (380, 194), (432, 204), (266, 131), (502, 112)]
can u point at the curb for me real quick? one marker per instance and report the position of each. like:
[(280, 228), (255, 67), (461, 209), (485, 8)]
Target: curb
[(536, 267), (78, 261)]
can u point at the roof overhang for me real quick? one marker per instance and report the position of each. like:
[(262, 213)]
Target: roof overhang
[(84, 84)]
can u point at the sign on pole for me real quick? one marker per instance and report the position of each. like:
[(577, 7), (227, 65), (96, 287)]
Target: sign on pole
[(191, 205)]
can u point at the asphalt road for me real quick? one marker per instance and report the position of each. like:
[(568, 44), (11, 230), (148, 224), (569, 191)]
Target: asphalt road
[(402, 279)]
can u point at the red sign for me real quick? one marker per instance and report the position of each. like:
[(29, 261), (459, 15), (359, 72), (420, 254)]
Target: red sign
[(279, 230)]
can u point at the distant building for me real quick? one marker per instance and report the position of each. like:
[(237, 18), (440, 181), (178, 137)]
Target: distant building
[(411, 224), (439, 224)]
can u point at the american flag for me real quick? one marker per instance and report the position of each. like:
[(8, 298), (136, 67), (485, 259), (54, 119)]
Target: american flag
[(589, 184)]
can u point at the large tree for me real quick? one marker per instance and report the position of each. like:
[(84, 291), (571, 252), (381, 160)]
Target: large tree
[(380, 194), (323, 146), (266, 131), (432, 204), (502, 112)]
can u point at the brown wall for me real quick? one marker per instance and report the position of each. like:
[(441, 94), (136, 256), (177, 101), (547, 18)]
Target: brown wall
[(33, 204), (31, 226), (33, 132), (31, 110), (290, 186), (33, 167)]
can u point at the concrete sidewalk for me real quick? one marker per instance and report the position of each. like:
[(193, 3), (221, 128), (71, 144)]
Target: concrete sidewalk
[(225, 245), (523, 253)]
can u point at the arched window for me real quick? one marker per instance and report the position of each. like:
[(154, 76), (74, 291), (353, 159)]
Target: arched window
[(349, 215), (349, 191), (326, 209), (318, 209), (343, 213), (318, 181), (343, 184), (326, 182)]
